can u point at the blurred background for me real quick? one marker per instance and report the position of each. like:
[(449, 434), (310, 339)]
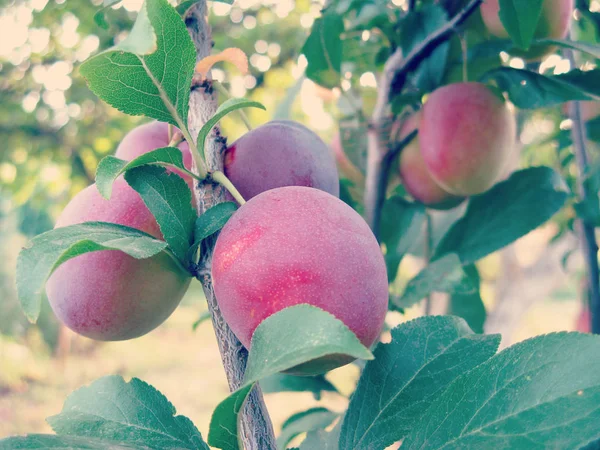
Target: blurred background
[(54, 131)]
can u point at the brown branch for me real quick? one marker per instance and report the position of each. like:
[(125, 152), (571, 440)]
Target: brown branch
[(255, 426), (588, 236), (392, 81)]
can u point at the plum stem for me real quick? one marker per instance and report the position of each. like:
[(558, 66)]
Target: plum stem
[(256, 429), (175, 138), (588, 236), (222, 179)]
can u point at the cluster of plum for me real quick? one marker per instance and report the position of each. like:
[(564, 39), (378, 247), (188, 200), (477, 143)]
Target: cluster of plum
[(294, 241)]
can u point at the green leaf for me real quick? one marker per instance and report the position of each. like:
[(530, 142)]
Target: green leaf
[(133, 412), (297, 335), (213, 220), (322, 440), (225, 108), (521, 19), (200, 320), (303, 422), (287, 339), (100, 17), (323, 50), (530, 90), (532, 196), (443, 275), (541, 393), (281, 382), (184, 6), (111, 167), (584, 47), (415, 29), (169, 199), (49, 250), (150, 72), (469, 306), (407, 375), (51, 441), (223, 432), (401, 225)]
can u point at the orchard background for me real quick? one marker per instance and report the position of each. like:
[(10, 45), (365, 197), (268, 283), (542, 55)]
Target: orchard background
[(519, 245)]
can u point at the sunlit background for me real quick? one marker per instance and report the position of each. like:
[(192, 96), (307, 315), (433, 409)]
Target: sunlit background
[(54, 131)]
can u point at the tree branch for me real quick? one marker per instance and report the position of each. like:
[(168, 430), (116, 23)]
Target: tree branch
[(392, 81), (256, 429), (588, 236)]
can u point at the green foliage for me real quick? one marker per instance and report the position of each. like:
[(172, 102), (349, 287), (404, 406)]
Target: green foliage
[(285, 340), (407, 375), (469, 306), (132, 414), (213, 220), (532, 195), (443, 275), (401, 224), (228, 106), (150, 73), (323, 50), (520, 19), (169, 199), (282, 382), (538, 393), (49, 250), (303, 422), (111, 167), (415, 28), (530, 90), (50, 441)]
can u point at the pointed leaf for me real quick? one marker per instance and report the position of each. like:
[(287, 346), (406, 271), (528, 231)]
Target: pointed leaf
[(541, 393), (282, 382), (134, 412), (407, 375), (225, 108), (530, 90), (401, 225), (111, 167), (521, 19), (532, 195), (443, 275), (323, 50), (304, 422), (169, 199), (285, 340), (49, 250), (149, 73), (51, 441), (469, 306)]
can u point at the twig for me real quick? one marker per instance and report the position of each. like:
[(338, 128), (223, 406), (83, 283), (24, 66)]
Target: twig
[(390, 82), (429, 44), (588, 237), (256, 429)]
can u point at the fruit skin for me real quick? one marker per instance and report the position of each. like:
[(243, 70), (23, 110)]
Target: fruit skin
[(583, 321), (467, 135), (280, 153), (151, 136), (554, 24), (415, 176), (108, 295), (296, 245)]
